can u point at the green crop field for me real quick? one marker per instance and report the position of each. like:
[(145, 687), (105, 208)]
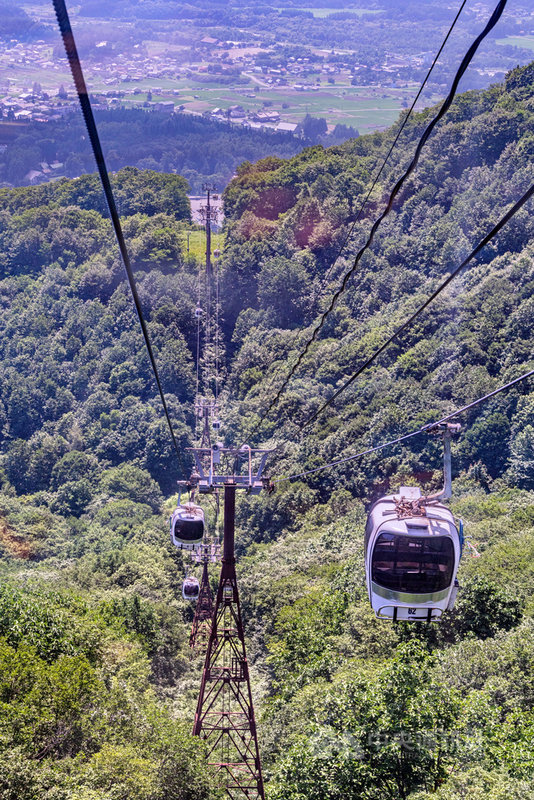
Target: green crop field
[(195, 242), (362, 107), (526, 42), (365, 108)]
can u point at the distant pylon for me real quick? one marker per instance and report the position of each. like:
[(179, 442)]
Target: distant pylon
[(200, 630), (225, 713), (208, 215)]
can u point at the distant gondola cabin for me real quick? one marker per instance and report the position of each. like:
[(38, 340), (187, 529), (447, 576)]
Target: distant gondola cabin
[(190, 588), (187, 526), (412, 553)]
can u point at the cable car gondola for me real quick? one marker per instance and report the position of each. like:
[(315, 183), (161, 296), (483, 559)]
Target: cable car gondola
[(412, 553), (190, 588), (187, 526)]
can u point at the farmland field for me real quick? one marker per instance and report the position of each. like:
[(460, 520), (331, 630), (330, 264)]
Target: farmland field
[(195, 242), (362, 107), (526, 42), (365, 108)]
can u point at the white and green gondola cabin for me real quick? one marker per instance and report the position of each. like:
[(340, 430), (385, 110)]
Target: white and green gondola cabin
[(187, 526), (190, 588), (412, 553)]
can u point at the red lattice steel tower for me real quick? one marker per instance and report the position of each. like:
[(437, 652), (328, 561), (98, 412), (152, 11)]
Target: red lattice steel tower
[(225, 713), (200, 630)]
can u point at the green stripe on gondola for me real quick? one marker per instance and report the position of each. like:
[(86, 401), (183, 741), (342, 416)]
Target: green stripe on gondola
[(403, 597)]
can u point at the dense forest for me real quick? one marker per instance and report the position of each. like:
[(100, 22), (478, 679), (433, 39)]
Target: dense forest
[(97, 691), (197, 148), (14, 21)]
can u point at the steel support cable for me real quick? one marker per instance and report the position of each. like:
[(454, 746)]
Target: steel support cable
[(197, 395), (217, 355), (494, 231), (208, 330), (87, 111), (497, 13), (406, 436), (198, 312), (403, 124), (393, 145)]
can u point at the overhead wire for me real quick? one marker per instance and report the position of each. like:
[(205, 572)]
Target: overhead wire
[(198, 313), (87, 111), (72, 55), (443, 285), (466, 60), (410, 435), (217, 343), (403, 124)]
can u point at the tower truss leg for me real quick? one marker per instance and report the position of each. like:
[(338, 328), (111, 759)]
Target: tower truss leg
[(200, 630), (225, 713)]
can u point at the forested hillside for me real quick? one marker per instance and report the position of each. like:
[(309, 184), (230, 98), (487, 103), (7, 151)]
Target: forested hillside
[(197, 148), (286, 222), (97, 692)]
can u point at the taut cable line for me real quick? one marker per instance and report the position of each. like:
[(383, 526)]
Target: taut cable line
[(87, 111), (398, 440), (497, 13), (494, 231), (403, 124)]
